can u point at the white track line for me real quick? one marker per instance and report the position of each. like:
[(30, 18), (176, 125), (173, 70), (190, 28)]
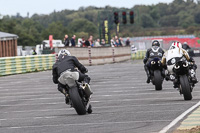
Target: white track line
[(175, 121)]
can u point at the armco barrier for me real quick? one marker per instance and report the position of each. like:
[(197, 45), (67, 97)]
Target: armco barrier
[(101, 55), (15, 65), (138, 55)]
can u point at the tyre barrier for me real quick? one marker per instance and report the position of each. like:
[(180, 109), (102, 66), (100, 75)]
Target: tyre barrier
[(138, 55), (25, 64)]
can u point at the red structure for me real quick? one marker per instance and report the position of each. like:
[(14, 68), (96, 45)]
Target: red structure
[(50, 41), (193, 42)]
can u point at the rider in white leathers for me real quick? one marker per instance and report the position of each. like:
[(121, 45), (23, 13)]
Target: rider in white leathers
[(171, 56)]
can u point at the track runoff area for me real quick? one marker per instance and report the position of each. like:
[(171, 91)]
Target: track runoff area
[(122, 103)]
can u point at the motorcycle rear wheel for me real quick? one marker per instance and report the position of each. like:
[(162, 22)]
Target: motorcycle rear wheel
[(185, 87), (77, 101)]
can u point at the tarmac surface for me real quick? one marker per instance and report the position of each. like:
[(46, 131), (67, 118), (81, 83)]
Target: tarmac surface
[(122, 103)]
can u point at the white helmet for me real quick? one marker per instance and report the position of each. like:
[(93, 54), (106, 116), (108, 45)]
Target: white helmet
[(175, 45), (185, 43), (64, 52)]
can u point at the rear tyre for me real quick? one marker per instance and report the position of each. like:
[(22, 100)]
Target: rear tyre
[(157, 80), (185, 87), (77, 101)]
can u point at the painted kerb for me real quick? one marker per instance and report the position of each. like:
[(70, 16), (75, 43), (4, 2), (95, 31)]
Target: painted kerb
[(15, 65), (138, 55)]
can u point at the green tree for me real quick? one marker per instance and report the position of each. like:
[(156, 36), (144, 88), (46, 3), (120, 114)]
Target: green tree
[(83, 25), (168, 21), (147, 21), (197, 17), (56, 29)]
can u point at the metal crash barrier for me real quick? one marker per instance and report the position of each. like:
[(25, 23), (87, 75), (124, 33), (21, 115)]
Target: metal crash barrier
[(25, 64), (94, 56)]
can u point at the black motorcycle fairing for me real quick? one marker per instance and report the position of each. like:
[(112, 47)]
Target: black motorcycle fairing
[(173, 61), (181, 68), (155, 64)]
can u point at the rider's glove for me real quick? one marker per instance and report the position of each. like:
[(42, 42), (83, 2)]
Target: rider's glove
[(145, 60), (86, 70), (191, 60), (165, 67)]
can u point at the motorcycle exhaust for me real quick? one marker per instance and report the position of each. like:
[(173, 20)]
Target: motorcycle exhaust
[(87, 89)]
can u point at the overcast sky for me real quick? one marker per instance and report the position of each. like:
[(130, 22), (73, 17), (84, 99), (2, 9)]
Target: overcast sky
[(12, 7)]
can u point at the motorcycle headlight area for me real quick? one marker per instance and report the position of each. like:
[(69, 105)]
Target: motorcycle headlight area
[(173, 61), (176, 66), (185, 64), (153, 62)]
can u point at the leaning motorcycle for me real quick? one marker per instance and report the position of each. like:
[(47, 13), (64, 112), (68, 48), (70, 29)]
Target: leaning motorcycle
[(183, 79), (156, 73), (79, 93)]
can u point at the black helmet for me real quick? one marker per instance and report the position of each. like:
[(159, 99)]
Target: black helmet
[(156, 43)]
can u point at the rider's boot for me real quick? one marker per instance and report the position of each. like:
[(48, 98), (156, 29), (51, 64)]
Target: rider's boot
[(66, 96), (193, 76), (148, 79), (175, 84), (89, 109), (62, 89), (148, 74), (87, 80)]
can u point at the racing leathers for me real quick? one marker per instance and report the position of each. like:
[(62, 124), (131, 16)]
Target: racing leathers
[(151, 53)]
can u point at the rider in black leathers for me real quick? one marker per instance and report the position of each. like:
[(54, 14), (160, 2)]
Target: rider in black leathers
[(151, 53), (67, 62)]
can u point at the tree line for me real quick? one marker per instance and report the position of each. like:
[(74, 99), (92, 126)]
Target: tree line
[(177, 17)]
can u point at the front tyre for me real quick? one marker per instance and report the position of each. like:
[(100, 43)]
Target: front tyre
[(185, 87), (158, 80), (77, 101)]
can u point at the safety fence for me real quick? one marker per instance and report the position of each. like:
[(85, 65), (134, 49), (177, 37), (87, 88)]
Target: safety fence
[(138, 55), (87, 56), (99, 56), (15, 65)]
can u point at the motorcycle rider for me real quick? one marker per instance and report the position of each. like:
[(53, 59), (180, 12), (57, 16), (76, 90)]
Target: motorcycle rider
[(154, 51), (67, 62), (171, 56), (186, 46)]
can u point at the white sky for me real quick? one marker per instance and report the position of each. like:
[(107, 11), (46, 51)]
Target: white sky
[(12, 7)]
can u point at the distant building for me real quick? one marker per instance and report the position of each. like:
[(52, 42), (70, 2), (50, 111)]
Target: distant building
[(8, 44)]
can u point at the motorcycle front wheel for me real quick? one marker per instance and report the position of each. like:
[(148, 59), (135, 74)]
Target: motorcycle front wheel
[(185, 87), (77, 101), (157, 80)]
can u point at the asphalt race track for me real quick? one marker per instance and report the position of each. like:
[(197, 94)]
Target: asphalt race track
[(122, 103)]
